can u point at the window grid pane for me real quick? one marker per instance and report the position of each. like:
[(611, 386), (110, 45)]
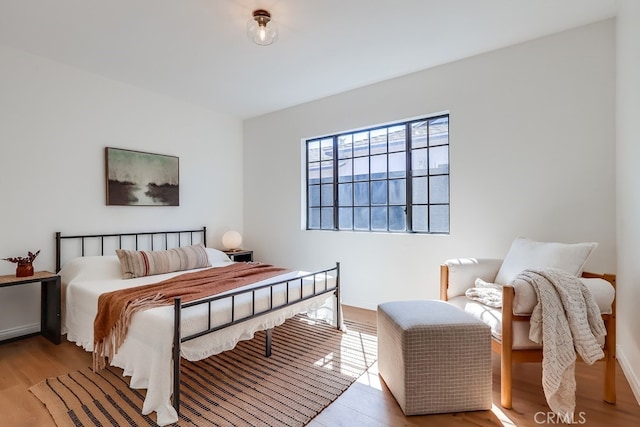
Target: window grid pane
[(359, 181)]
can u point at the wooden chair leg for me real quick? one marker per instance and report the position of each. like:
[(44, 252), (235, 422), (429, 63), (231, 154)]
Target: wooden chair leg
[(610, 378), (505, 383), (610, 349), (506, 347), (610, 361)]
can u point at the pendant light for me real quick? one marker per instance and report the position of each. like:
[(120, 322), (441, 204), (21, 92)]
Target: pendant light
[(261, 29)]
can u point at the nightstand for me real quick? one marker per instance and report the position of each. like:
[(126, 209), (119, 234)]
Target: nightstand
[(240, 255), (49, 300)]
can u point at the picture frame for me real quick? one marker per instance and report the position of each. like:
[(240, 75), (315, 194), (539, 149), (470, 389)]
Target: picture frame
[(137, 178)]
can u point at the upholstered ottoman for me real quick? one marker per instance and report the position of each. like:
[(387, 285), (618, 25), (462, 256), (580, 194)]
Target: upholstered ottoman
[(434, 357)]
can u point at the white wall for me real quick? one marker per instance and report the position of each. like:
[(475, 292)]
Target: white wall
[(54, 124), (628, 196), (532, 154)]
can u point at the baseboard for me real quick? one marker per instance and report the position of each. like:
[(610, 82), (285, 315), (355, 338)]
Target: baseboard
[(11, 333), (632, 379)]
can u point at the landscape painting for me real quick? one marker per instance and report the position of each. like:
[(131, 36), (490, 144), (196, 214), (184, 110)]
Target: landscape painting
[(135, 178)]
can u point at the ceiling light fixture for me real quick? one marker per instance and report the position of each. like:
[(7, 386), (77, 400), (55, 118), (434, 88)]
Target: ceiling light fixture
[(261, 28)]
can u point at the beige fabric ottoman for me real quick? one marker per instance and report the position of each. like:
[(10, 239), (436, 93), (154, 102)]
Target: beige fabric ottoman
[(434, 357)]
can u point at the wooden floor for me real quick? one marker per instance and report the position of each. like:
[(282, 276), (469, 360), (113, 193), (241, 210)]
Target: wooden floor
[(366, 403)]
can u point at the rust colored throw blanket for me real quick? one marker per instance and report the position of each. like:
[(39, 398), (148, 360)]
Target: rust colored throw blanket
[(116, 308)]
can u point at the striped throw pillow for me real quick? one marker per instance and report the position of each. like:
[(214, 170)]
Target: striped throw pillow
[(147, 263)]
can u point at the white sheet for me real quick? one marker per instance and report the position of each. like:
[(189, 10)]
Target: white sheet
[(146, 354)]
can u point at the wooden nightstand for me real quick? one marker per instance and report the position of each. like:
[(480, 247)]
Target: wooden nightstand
[(49, 300), (240, 255)]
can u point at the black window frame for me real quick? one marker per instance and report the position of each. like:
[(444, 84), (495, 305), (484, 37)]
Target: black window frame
[(329, 184)]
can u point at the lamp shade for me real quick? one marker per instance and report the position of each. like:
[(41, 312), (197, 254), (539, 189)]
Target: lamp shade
[(231, 240)]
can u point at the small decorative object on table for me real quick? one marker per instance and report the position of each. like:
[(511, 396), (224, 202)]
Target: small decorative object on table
[(25, 264)]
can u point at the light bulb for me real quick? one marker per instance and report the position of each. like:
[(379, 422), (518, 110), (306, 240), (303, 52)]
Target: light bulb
[(262, 30)]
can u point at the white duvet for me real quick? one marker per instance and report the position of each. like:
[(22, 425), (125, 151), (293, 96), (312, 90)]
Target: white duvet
[(146, 354)]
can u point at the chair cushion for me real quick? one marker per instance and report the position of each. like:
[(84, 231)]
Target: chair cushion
[(525, 253), (525, 299), (493, 317)]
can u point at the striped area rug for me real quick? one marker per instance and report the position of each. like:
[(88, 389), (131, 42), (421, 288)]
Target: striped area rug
[(311, 365)]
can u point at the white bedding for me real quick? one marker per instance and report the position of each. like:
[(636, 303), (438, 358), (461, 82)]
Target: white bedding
[(146, 354)]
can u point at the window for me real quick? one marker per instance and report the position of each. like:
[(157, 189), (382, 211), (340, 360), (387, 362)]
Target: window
[(392, 178)]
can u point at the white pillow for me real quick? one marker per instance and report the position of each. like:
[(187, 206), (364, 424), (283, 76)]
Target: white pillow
[(91, 268), (525, 253), (216, 256)]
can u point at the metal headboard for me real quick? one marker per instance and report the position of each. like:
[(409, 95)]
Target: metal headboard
[(187, 235)]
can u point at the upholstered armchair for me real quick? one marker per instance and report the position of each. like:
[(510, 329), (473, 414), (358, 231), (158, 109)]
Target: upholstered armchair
[(510, 323)]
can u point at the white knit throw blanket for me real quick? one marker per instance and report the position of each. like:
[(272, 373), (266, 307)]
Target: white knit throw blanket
[(566, 319)]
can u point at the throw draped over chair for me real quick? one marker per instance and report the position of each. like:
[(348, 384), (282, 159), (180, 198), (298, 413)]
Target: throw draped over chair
[(510, 323)]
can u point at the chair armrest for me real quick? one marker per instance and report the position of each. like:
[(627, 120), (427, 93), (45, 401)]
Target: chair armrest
[(458, 275)]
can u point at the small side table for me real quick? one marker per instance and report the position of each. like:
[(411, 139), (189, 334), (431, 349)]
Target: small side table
[(50, 300), (240, 255)]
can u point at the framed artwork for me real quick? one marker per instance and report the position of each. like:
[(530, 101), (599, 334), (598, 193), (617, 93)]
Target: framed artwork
[(135, 178)]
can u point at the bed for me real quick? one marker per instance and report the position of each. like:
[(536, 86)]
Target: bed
[(158, 338)]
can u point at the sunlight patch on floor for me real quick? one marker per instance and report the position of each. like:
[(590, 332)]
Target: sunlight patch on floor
[(355, 350), (502, 416), (370, 379), (326, 361)]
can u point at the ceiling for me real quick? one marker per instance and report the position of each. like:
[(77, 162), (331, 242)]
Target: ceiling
[(197, 50)]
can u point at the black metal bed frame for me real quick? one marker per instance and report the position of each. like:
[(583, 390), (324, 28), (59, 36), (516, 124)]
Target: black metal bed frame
[(320, 278)]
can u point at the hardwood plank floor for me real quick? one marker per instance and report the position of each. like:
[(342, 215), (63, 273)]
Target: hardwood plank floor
[(366, 403)]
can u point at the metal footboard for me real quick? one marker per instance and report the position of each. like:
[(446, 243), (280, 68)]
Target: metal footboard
[(320, 287)]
